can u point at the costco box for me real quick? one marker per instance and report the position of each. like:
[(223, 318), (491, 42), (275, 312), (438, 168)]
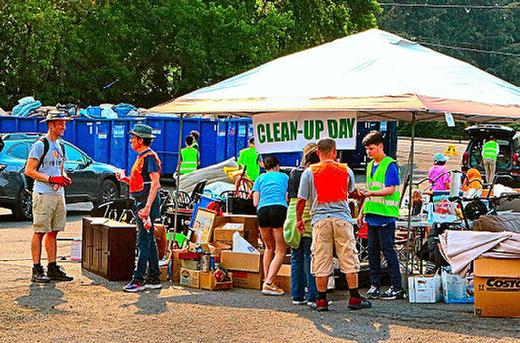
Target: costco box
[(247, 280), (283, 278), (241, 261), (497, 287), (190, 278), (248, 228), (424, 289), (208, 281)]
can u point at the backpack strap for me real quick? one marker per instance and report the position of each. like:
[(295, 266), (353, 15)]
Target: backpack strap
[(45, 151)]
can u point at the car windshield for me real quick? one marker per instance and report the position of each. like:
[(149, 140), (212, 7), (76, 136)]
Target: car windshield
[(504, 155)]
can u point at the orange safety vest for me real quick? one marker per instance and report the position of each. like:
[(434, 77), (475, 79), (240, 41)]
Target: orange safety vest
[(331, 181), (136, 177)]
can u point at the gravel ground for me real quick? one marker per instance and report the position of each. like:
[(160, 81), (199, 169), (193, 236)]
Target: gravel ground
[(90, 309)]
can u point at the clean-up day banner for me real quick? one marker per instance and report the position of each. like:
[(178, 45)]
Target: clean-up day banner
[(286, 132)]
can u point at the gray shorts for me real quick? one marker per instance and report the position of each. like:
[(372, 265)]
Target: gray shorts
[(49, 212)]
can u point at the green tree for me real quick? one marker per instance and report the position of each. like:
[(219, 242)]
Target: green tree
[(67, 50)]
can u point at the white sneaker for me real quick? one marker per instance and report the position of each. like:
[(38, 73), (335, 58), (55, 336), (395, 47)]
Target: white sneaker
[(299, 302), (312, 304)]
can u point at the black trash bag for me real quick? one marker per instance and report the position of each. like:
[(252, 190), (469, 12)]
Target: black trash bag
[(238, 203), (430, 249)]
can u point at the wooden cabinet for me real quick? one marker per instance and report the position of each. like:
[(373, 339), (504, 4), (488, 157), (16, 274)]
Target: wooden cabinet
[(108, 248)]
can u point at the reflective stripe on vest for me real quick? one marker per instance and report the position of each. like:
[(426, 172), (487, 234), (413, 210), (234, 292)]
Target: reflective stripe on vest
[(387, 206), (331, 181), (188, 160), (136, 177), (490, 150)]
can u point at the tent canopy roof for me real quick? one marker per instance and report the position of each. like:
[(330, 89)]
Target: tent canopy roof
[(374, 73)]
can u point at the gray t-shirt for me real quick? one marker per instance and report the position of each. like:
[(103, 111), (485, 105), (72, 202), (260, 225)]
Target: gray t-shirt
[(322, 211), (52, 165)]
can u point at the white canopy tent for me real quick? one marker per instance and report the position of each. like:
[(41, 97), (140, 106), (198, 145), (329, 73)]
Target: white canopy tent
[(376, 74)]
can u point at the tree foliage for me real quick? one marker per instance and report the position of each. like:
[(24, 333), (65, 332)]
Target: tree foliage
[(487, 38), (68, 50)]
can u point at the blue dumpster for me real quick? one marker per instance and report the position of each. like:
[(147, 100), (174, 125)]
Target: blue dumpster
[(166, 144), (219, 140)]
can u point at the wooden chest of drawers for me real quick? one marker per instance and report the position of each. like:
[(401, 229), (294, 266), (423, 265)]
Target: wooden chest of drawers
[(108, 248)]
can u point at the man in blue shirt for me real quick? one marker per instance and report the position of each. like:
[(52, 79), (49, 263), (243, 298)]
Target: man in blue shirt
[(380, 210), (48, 197)]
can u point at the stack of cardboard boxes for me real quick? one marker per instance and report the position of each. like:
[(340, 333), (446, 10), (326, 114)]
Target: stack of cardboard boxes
[(245, 267)]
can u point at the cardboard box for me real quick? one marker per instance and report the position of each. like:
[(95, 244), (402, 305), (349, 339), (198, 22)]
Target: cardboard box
[(424, 289), (176, 265), (249, 228), (241, 261), (497, 287), (190, 278), (247, 280), (190, 264), (215, 248), (224, 234), (164, 273), (208, 281), (283, 278)]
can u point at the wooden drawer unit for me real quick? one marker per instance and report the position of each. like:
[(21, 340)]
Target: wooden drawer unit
[(108, 248)]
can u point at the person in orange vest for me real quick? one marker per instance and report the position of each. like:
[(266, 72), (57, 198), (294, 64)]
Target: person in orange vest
[(326, 186), (144, 188)]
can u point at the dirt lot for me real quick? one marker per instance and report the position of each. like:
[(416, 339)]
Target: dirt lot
[(92, 309)]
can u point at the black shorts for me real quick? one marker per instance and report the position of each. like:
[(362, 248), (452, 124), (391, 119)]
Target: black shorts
[(271, 216)]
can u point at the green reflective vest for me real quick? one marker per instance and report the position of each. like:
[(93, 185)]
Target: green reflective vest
[(189, 158), (490, 150), (387, 206), (249, 158)]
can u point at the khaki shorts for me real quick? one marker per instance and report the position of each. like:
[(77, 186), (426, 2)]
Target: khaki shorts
[(49, 212), (328, 234)]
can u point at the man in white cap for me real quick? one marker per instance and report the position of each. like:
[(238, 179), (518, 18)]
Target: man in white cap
[(46, 166)]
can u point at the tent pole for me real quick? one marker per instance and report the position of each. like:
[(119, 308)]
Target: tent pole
[(177, 183), (409, 256)]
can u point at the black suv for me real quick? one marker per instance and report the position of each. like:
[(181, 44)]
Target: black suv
[(508, 165), (91, 181)]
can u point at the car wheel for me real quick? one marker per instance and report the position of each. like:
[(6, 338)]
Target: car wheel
[(23, 208), (107, 192)]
